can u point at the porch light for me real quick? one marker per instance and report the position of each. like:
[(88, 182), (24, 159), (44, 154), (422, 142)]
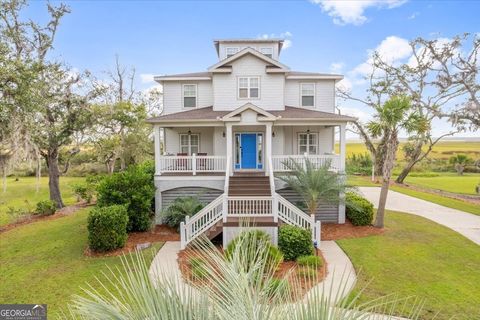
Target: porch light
[(189, 132), (223, 134), (273, 134), (308, 131)]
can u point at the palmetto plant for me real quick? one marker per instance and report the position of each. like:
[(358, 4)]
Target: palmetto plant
[(231, 291), (460, 161), (315, 184)]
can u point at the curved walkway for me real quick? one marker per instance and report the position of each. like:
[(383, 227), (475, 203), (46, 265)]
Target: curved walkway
[(466, 224)]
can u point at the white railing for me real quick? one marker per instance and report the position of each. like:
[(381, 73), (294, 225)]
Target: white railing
[(193, 164), (317, 161), (202, 221), (250, 206)]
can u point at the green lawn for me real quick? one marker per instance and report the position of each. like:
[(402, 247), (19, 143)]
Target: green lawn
[(448, 182), (22, 194), (417, 257), (435, 198), (43, 262)]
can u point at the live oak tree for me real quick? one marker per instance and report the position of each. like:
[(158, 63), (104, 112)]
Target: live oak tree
[(441, 78), (394, 115)]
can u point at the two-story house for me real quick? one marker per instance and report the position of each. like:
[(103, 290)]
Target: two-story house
[(225, 133)]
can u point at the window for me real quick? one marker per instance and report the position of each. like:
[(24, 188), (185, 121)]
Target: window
[(267, 51), (307, 142), (307, 93), (231, 51), (248, 87), (189, 143), (189, 95)]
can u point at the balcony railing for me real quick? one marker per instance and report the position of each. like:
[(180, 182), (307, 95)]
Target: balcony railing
[(279, 161), (191, 164)]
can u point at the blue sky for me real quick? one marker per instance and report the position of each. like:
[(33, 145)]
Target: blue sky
[(162, 37)]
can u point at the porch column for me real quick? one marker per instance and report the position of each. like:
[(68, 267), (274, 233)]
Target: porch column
[(268, 146), (156, 135), (229, 144), (342, 147)]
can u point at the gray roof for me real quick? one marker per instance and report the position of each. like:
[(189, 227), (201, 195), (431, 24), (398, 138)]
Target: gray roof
[(290, 113), (301, 73)]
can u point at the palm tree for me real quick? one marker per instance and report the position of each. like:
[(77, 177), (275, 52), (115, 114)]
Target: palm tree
[(460, 161), (230, 290), (315, 184), (395, 115)]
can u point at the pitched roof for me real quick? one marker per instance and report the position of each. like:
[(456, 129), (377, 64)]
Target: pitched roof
[(290, 113), (183, 75), (301, 74), (246, 51)]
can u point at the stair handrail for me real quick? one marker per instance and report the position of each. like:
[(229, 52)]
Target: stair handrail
[(227, 175), (299, 219), (203, 220)]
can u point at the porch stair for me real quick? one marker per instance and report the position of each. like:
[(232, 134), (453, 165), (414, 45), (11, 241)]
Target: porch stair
[(249, 185)]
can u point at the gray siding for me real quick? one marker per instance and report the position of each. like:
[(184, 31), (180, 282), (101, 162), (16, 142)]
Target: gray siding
[(205, 195), (325, 213)]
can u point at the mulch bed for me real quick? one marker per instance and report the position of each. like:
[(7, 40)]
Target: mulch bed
[(333, 231), (31, 218), (160, 233), (287, 270)]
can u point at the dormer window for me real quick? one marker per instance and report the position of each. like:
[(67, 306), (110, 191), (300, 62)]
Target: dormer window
[(189, 95), (267, 51), (307, 94), (248, 87), (230, 51)]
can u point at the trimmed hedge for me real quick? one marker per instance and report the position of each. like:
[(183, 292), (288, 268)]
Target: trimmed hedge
[(46, 207), (294, 242), (107, 228), (133, 189), (358, 209)]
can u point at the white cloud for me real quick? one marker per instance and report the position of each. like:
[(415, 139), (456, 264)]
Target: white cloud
[(286, 36), (355, 112), (337, 67), (345, 84), (413, 15), (147, 77), (352, 11)]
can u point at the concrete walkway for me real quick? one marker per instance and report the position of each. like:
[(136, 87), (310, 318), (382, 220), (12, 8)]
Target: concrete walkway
[(165, 262), (466, 224)]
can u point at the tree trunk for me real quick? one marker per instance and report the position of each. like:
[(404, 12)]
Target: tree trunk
[(380, 219), (54, 177), (405, 171)]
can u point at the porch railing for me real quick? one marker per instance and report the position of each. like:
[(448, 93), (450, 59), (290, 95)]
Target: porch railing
[(279, 161), (192, 164)]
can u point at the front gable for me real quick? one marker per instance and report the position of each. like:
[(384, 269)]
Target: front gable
[(248, 114)]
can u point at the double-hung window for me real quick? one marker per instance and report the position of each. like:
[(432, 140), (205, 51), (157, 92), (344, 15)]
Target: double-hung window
[(189, 95), (189, 143), (248, 87), (267, 51), (230, 51), (307, 93), (307, 142)]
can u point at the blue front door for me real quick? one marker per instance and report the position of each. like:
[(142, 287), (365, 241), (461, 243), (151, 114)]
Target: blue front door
[(249, 151)]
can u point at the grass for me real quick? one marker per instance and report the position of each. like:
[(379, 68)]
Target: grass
[(360, 181), (43, 262), (448, 182), (22, 194), (417, 257), (442, 150)]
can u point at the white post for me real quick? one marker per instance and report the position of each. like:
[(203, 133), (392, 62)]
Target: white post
[(318, 231), (225, 209), (194, 164), (229, 144), (312, 226), (275, 208), (268, 146), (342, 147), (341, 205), (182, 235), (156, 135)]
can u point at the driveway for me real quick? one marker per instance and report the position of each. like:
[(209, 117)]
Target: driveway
[(466, 224)]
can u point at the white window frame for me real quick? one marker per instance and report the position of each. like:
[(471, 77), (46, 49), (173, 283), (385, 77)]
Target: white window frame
[(189, 145), (268, 54), (183, 95), (248, 87), (302, 95), (228, 55), (308, 142)]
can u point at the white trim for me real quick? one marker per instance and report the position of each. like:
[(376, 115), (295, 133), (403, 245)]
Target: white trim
[(249, 78), (189, 145), (244, 52), (316, 77), (308, 142), (301, 94), (183, 95), (174, 78)]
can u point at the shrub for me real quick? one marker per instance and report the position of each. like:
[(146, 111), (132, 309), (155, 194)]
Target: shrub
[(307, 273), (310, 261), (179, 209), (358, 209), (46, 207), (107, 228), (251, 241), (198, 268), (294, 242), (277, 286), (360, 164), (132, 188), (86, 191)]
